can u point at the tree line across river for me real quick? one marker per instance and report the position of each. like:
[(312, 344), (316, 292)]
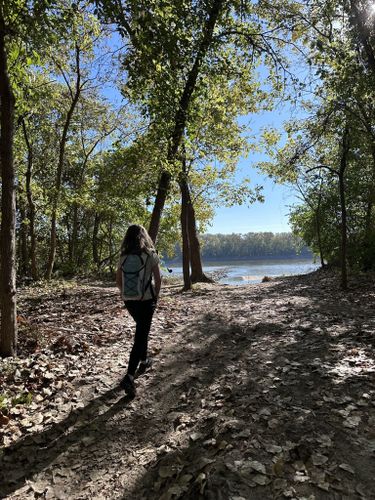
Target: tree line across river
[(260, 245)]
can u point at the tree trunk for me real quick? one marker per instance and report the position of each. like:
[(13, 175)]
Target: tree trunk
[(74, 240), (23, 267), (60, 169), (319, 235), (95, 240), (30, 202), (197, 274), (185, 236), (343, 165), (181, 115), (318, 228), (369, 256), (161, 196), (8, 329), (368, 259), (110, 246)]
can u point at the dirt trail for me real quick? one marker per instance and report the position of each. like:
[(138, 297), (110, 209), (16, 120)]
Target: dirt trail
[(262, 391)]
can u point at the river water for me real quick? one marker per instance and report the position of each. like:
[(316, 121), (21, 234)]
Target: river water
[(241, 272)]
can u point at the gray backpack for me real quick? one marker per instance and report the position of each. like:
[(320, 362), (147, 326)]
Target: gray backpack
[(134, 279)]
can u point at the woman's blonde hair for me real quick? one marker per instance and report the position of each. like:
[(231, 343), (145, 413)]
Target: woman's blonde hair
[(136, 240)]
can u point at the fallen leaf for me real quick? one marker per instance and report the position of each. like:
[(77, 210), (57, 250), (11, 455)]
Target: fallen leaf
[(260, 479), (195, 436), (272, 448), (347, 468), (278, 467), (279, 484), (255, 465), (352, 422), (318, 459), (39, 487), (323, 485), (4, 420)]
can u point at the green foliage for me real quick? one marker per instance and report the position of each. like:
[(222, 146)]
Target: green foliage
[(339, 39), (251, 246), (3, 402), (115, 154), (25, 398)]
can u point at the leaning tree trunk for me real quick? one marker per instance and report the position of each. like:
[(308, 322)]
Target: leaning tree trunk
[(8, 329), (344, 237), (185, 236), (181, 115), (161, 196)]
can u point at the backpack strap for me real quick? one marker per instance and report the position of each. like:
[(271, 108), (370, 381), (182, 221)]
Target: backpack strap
[(149, 284), (144, 274)]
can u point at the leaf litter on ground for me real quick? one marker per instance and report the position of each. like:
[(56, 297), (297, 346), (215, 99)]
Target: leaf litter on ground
[(265, 399)]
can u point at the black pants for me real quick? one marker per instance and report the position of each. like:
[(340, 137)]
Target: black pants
[(141, 311)]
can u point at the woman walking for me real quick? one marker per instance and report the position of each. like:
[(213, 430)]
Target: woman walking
[(138, 278)]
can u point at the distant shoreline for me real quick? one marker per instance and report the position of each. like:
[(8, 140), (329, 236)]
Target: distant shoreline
[(244, 259)]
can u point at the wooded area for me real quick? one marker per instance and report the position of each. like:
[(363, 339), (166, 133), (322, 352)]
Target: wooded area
[(77, 165), (115, 112)]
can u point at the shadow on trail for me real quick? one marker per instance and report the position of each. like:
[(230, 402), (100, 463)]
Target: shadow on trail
[(92, 429), (34, 453), (284, 381)]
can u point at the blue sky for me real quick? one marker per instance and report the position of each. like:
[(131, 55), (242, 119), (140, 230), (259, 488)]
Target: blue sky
[(272, 215)]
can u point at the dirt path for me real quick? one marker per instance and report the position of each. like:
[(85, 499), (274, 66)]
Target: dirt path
[(257, 392)]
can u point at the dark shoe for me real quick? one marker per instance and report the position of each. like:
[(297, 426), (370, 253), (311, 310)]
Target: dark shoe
[(144, 366), (128, 385)]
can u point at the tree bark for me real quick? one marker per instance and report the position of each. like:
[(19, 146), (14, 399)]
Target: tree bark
[(8, 329), (161, 196), (185, 235), (60, 168), (343, 165), (181, 115)]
